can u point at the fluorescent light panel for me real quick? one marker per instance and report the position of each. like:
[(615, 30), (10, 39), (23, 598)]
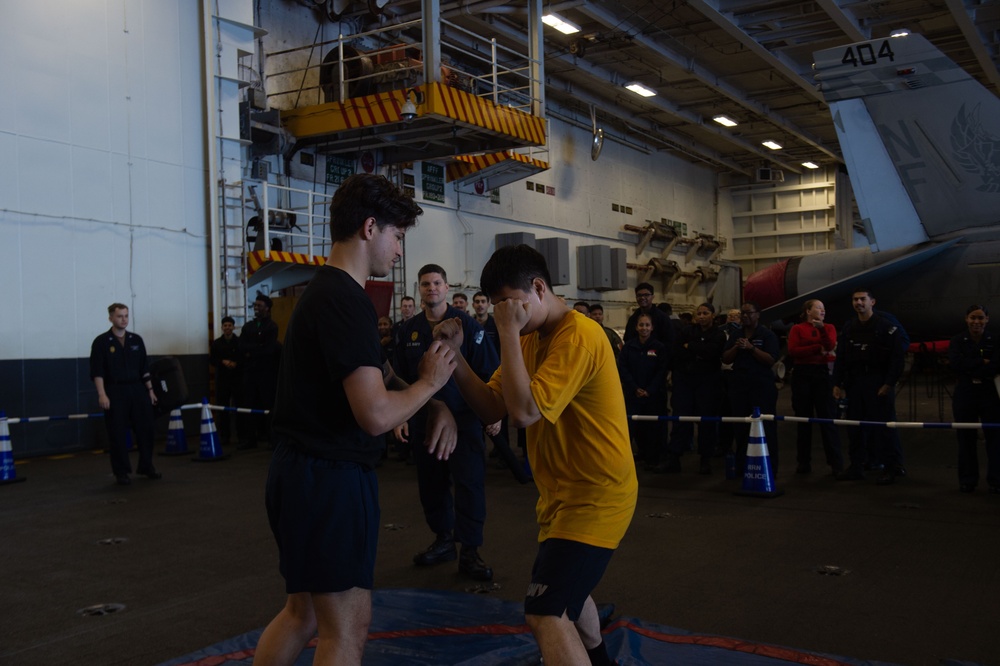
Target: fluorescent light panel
[(640, 89), (810, 165), (772, 145), (560, 24), (725, 121)]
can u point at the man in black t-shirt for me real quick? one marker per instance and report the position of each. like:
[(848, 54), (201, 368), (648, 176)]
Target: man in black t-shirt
[(331, 405), (871, 352), (259, 351), (120, 372)]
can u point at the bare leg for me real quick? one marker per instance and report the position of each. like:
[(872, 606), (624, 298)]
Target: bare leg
[(343, 619), (588, 625), (558, 640), (287, 634)]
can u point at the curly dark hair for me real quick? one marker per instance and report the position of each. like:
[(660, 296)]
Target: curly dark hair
[(366, 195)]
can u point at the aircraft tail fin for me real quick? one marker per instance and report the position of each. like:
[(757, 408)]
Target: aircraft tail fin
[(916, 133)]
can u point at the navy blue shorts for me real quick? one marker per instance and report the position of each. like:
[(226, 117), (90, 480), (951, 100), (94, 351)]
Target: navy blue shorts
[(324, 515), (563, 576)]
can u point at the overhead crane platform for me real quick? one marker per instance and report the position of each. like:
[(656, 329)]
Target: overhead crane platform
[(478, 173), (449, 122), (283, 269)]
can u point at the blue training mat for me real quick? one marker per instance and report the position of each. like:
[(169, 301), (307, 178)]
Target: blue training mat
[(425, 627)]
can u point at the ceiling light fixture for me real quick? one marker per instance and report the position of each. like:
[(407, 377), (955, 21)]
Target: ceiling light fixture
[(725, 121), (899, 32), (560, 24), (810, 165), (771, 144), (640, 89)]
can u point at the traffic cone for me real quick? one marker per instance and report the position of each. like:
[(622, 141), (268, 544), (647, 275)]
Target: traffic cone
[(210, 449), (758, 479), (177, 444), (8, 474)]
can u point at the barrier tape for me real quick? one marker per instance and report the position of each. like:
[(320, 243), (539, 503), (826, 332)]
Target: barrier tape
[(98, 415), (634, 417), (802, 419)]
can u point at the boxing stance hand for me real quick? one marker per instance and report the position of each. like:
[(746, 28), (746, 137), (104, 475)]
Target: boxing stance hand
[(437, 364), (449, 332)]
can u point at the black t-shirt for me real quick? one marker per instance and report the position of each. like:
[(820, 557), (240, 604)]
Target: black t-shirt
[(332, 332), (118, 363)]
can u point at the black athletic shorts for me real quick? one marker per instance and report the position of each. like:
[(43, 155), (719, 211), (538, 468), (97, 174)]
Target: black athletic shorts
[(324, 515), (563, 576)]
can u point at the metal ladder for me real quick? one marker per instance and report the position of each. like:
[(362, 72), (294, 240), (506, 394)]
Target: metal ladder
[(232, 251), (398, 269)]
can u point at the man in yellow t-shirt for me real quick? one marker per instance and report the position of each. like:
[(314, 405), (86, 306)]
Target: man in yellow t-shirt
[(558, 379)]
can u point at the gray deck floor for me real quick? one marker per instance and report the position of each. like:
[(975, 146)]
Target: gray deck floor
[(198, 564)]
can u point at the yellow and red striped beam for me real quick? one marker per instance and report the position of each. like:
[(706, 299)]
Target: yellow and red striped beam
[(440, 101), (465, 165), (257, 260)]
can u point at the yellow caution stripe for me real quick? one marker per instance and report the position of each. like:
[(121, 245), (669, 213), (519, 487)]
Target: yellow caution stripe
[(459, 105), (257, 260), (465, 165), (439, 101)]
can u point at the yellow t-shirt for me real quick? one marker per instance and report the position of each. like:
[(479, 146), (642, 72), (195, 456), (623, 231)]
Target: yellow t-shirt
[(579, 450)]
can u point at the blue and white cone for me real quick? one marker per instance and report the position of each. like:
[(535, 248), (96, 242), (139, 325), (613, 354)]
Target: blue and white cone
[(176, 440), (758, 477), (8, 473), (210, 449)]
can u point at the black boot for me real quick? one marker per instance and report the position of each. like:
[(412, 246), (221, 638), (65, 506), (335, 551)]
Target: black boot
[(442, 550), (473, 566)]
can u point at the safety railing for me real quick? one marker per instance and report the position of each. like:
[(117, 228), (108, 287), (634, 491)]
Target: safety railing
[(288, 219), (391, 58)]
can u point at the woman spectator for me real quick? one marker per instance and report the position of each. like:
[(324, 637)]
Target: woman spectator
[(975, 358), (642, 365), (811, 344), (697, 384), (752, 351)]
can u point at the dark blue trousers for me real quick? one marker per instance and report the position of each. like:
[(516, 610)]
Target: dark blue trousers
[(977, 402), (872, 444), (745, 393), (696, 395), (452, 491), (812, 395), (130, 408)]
